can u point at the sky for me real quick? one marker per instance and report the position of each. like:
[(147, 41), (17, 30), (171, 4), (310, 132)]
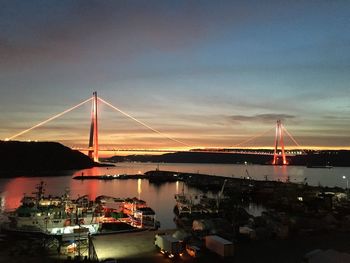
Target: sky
[(206, 73)]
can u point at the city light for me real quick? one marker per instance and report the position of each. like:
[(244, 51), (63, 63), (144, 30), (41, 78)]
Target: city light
[(347, 181)]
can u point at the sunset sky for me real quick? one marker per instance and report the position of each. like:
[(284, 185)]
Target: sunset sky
[(207, 73)]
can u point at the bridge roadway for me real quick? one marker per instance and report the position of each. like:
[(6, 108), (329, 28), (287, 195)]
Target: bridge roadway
[(294, 153)]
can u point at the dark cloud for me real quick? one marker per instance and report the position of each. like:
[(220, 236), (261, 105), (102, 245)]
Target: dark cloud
[(109, 29), (10, 51), (271, 117), (340, 118)]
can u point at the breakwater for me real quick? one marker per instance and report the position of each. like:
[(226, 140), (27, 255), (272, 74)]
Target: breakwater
[(269, 193)]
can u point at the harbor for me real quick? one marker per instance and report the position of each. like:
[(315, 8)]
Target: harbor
[(174, 131), (201, 205), (66, 225)]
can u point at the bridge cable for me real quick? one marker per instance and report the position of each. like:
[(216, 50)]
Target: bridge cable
[(50, 119), (142, 123), (252, 138), (291, 137)]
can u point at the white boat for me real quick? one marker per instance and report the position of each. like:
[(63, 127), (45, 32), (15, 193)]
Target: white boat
[(52, 215), (62, 216)]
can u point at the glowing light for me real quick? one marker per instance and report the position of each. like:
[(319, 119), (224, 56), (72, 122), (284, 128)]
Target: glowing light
[(50, 119), (93, 141), (279, 137), (139, 187), (142, 123), (347, 181)]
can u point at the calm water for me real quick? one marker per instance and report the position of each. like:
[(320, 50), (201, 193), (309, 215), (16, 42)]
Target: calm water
[(160, 198)]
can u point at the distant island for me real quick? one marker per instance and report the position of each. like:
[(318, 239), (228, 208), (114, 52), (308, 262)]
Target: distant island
[(52, 158), (39, 159), (312, 159)]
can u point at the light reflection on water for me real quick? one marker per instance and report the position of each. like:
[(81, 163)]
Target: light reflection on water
[(326, 177), (160, 197)]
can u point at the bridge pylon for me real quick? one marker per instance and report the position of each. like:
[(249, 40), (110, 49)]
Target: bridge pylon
[(279, 140), (93, 141)]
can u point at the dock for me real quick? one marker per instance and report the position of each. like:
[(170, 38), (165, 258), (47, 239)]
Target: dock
[(111, 177)]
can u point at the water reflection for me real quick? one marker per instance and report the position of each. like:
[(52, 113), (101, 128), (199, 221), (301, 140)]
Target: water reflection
[(159, 197), (139, 188), (297, 174), (282, 173)]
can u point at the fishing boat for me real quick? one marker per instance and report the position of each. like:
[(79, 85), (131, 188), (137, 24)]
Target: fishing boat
[(40, 214)]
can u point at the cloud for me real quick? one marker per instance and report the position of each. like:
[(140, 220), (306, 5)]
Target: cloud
[(9, 51), (110, 29), (271, 117), (342, 119)]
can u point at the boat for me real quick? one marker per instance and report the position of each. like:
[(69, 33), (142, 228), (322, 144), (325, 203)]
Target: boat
[(51, 215), (197, 204), (62, 216), (140, 214)]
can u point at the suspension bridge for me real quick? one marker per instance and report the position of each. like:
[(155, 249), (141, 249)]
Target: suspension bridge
[(279, 153)]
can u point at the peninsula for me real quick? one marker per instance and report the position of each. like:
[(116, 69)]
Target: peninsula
[(39, 158)]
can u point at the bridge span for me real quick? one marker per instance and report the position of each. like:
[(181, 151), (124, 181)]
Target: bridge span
[(279, 153)]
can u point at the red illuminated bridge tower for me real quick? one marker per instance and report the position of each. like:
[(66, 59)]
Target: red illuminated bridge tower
[(279, 140), (93, 142)]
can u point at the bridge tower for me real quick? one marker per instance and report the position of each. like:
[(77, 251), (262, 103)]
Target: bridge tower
[(93, 142), (279, 140)]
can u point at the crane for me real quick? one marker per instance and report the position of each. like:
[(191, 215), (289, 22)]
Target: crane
[(218, 199)]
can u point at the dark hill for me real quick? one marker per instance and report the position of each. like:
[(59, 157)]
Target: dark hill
[(36, 157), (196, 157), (311, 158)]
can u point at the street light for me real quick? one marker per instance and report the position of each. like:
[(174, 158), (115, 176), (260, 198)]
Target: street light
[(347, 182)]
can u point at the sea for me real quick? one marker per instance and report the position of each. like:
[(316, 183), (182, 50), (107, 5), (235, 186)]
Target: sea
[(161, 196)]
